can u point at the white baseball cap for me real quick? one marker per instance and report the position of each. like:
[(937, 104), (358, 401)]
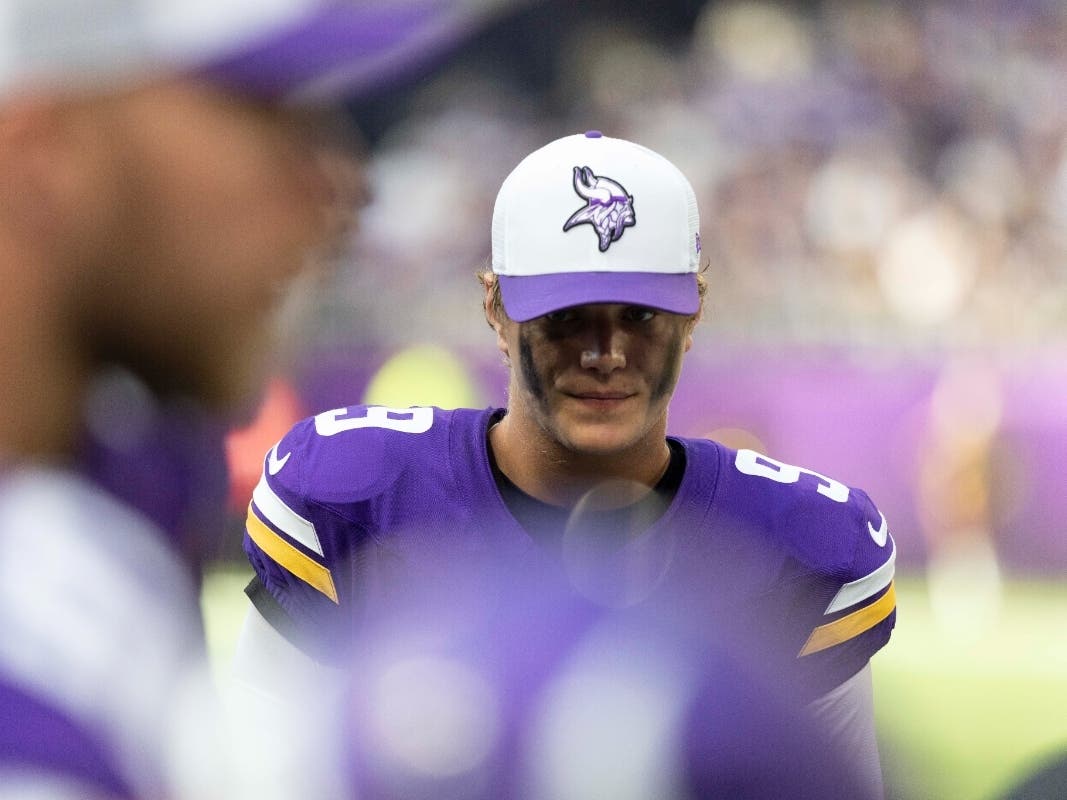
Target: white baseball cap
[(297, 50), (592, 219)]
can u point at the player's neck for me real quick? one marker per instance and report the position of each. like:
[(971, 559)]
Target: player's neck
[(543, 468)]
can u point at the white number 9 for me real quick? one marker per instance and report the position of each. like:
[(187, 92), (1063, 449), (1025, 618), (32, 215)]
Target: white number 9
[(752, 463)]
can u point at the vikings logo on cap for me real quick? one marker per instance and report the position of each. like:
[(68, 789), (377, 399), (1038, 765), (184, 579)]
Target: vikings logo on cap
[(609, 207)]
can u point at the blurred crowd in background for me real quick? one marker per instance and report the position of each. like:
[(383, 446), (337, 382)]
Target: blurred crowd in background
[(883, 174)]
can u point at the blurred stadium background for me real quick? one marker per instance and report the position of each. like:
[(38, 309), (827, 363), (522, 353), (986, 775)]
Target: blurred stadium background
[(883, 188)]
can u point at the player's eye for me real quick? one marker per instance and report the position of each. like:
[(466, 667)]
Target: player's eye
[(639, 314), (562, 315)]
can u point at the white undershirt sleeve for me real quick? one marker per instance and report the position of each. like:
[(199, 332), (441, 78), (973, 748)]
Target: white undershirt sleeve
[(287, 705)]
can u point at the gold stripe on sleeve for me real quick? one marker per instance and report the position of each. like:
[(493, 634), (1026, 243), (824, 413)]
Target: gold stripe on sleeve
[(302, 566), (854, 624)]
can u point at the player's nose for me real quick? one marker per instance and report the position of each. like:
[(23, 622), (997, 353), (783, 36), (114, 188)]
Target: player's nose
[(603, 345)]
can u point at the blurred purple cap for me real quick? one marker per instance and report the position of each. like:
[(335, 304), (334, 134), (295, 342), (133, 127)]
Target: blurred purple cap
[(304, 51)]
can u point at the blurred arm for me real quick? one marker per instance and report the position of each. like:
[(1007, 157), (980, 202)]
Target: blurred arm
[(848, 714), (270, 666), (288, 710)]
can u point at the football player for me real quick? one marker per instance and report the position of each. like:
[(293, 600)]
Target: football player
[(165, 173), (594, 293)]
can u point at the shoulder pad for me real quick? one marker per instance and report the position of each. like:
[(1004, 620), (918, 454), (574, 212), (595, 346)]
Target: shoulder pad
[(349, 454), (840, 547), (830, 527)]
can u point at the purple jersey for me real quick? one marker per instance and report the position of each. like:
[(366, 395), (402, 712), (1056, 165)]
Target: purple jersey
[(106, 688), (37, 739), (352, 497), (103, 651)]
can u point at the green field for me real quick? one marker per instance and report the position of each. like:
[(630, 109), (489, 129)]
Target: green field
[(965, 710), (967, 703)]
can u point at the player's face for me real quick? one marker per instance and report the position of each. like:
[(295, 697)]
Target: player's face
[(597, 378), (211, 206)]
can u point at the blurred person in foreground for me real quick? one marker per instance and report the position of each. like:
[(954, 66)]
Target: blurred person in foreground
[(593, 296), (519, 686), (167, 170)]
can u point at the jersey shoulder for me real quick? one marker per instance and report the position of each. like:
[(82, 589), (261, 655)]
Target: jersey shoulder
[(328, 471), (353, 453), (343, 478), (827, 526), (816, 557)]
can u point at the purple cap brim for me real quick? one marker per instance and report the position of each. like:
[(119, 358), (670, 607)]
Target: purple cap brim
[(345, 50), (528, 296)]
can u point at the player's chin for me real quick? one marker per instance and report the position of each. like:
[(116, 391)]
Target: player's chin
[(602, 437), (602, 412)]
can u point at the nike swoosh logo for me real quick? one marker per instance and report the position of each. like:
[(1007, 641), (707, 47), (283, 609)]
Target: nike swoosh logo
[(275, 464), (880, 536)]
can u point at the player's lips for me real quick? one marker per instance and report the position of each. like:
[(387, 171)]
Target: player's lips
[(602, 395), (600, 399)]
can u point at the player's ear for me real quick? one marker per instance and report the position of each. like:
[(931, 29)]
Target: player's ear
[(690, 326), (487, 302), (493, 307), (497, 325), (491, 301)]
